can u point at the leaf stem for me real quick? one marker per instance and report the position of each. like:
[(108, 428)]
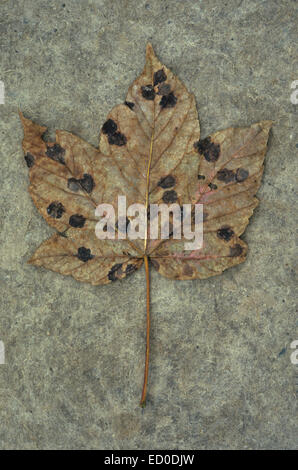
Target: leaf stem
[(144, 392)]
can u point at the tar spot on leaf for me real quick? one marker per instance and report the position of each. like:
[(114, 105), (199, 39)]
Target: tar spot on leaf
[(164, 89), (210, 150), (148, 92), (112, 276), (87, 183), (130, 268), (117, 139), (109, 127), (212, 186), (159, 77), (225, 175), (77, 221), (73, 184), (167, 182), (201, 177), (241, 175), (129, 104), (236, 250), (225, 233), (84, 254), (169, 196), (55, 210), (168, 101), (56, 152)]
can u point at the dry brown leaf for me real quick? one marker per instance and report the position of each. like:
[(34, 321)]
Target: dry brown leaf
[(150, 151)]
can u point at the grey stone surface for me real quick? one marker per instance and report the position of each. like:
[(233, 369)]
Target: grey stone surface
[(220, 374)]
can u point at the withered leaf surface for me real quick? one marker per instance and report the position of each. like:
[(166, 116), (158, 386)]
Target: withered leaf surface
[(150, 151)]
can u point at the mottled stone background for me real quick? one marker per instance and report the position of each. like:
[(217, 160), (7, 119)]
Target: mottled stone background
[(220, 375)]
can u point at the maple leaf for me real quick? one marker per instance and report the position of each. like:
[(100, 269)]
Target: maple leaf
[(150, 150)]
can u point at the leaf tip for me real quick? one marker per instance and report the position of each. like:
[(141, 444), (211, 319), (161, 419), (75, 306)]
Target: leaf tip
[(31, 127), (150, 54)]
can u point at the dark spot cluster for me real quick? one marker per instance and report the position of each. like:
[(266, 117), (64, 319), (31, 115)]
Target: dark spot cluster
[(167, 182), (55, 210), (115, 138), (168, 101), (159, 77), (227, 176), (207, 148), (115, 272), (241, 175), (77, 221), (169, 196), (201, 177), (212, 186), (148, 92), (109, 127), (29, 159), (86, 183), (56, 152), (225, 233), (164, 89), (84, 254), (130, 268)]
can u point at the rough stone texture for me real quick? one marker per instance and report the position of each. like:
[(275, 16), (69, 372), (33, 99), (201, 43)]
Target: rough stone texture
[(220, 375)]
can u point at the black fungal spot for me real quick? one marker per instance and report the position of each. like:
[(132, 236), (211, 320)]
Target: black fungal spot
[(112, 276), (117, 139), (129, 104), (29, 160), (164, 89), (73, 184), (55, 210), (84, 254), (241, 175), (210, 150), (169, 196), (77, 221), (130, 268), (109, 127), (167, 182), (87, 183), (159, 77), (168, 101), (225, 175), (56, 152), (225, 233), (236, 250), (148, 92), (212, 186), (201, 177)]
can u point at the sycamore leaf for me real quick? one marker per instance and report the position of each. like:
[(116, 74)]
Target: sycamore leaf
[(150, 151)]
